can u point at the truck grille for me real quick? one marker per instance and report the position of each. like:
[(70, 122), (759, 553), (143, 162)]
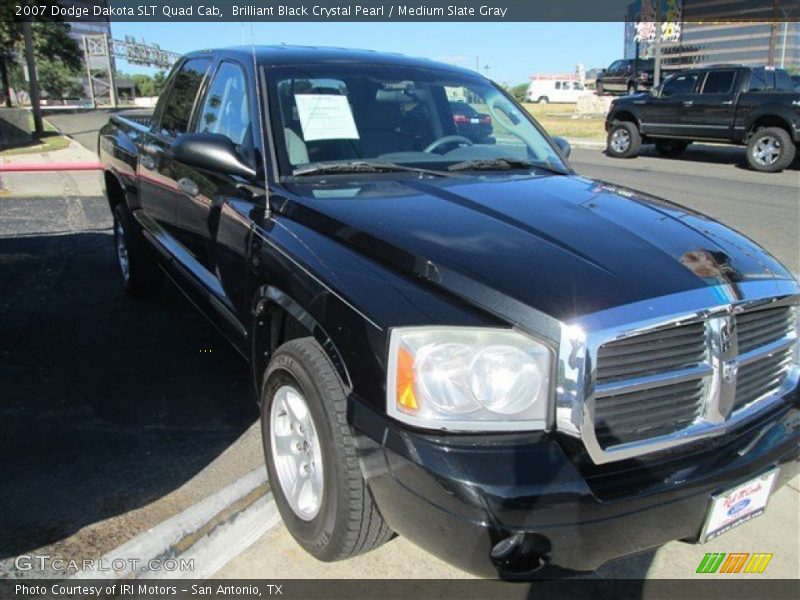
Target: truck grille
[(761, 377), (652, 353), (635, 416), (762, 327), (657, 383)]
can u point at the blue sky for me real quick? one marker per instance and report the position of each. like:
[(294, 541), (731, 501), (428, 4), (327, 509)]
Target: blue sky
[(513, 51)]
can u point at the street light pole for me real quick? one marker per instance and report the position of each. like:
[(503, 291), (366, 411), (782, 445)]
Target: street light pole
[(30, 60)]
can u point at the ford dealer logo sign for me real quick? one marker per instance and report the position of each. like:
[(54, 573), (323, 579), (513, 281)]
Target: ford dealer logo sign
[(738, 507)]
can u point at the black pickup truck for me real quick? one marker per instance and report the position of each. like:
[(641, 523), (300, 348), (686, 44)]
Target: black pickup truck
[(753, 106), (627, 76), (524, 371)]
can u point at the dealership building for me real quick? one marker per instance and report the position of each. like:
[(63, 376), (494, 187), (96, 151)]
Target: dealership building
[(707, 38)]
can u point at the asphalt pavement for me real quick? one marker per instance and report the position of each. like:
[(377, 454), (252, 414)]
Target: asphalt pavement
[(134, 402)]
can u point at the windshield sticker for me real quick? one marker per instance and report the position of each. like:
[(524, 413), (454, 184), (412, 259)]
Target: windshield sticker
[(325, 117)]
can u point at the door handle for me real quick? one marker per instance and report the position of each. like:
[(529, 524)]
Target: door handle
[(188, 187), (728, 102), (687, 102)]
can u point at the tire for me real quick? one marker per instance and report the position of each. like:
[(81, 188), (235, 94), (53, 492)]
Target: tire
[(624, 140), (671, 148), (543, 100), (141, 275), (339, 519), (770, 150)]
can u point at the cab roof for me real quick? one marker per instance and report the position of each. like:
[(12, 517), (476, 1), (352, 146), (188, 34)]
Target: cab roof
[(279, 55)]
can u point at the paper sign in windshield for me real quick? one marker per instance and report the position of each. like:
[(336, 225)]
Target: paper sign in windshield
[(325, 117)]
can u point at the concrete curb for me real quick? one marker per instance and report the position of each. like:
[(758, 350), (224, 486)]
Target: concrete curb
[(587, 144), (202, 538)]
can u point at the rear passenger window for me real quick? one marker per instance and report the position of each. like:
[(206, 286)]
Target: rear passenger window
[(783, 82), (181, 96), (226, 109), (719, 82)]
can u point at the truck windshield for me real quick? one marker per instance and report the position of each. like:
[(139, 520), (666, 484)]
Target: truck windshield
[(337, 115)]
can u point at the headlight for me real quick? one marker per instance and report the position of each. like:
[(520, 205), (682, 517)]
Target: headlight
[(468, 379)]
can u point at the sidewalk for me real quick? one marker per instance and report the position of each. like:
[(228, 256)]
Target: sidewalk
[(51, 184)]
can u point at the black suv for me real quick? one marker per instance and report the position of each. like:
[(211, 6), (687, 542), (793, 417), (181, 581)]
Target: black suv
[(626, 76), (464, 343), (754, 106)]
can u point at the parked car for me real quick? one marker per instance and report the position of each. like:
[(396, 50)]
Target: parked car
[(628, 76), (756, 107), (523, 371), (473, 125), (544, 90), (796, 82)]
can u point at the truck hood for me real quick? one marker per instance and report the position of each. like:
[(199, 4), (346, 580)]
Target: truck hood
[(564, 245)]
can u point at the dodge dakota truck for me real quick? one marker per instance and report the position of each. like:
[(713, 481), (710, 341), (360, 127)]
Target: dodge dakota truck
[(752, 106), (523, 371)]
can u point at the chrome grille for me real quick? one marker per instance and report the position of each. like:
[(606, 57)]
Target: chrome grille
[(647, 413), (761, 327), (661, 382), (761, 377), (652, 353)]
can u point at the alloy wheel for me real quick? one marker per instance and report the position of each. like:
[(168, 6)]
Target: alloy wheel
[(767, 150), (620, 140), (296, 452), (122, 250)]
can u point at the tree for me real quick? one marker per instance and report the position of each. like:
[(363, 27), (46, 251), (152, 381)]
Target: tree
[(159, 80), (519, 91), (52, 44)]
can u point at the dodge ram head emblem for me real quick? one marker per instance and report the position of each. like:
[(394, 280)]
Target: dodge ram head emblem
[(729, 371)]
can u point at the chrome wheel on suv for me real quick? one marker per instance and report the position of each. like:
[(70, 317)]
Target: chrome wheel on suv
[(296, 451), (770, 149), (620, 140)]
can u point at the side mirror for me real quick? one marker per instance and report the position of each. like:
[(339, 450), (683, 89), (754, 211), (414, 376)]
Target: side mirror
[(563, 145), (210, 152)]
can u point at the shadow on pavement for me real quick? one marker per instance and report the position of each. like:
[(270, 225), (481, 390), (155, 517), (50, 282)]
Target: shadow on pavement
[(107, 403), (718, 155)]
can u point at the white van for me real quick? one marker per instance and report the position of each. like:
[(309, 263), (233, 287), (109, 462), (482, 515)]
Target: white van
[(544, 90)]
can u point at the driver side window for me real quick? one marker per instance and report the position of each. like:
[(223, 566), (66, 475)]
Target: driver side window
[(679, 84)]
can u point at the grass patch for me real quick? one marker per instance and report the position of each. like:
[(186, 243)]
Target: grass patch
[(48, 142), (558, 119)]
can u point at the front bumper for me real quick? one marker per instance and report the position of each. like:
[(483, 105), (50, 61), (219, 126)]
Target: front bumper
[(458, 497)]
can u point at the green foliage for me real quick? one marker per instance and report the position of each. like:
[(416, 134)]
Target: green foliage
[(148, 85), (58, 56), (519, 91)]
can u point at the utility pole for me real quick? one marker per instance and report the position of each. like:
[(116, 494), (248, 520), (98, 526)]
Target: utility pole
[(773, 34), (30, 60), (6, 56), (657, 47), (486, 70)]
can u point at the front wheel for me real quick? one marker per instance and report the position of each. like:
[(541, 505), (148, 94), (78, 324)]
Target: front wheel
[(624, 140), (543, 99), (311, 456), (770, 150), (141, 275), (671, 148)]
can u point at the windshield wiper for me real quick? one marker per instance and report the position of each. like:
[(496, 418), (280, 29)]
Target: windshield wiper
[(502, 164), (361, 166)]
